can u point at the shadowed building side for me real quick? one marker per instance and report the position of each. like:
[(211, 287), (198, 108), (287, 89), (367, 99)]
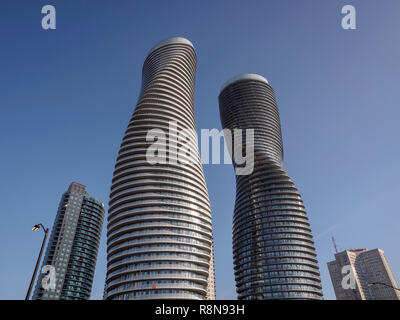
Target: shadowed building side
[(273, 249), (73, 246)]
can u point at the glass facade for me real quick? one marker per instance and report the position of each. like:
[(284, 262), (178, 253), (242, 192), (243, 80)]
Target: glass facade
[(159, 234), (73, 245), (273, 248)]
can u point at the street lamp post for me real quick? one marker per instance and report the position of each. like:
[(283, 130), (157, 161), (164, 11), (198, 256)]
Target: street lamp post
[(45, 230)]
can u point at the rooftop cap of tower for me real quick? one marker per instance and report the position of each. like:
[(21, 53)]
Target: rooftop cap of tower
[(170, 41), (242, 77)]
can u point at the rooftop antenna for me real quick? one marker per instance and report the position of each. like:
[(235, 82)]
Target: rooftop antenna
[(334, 244)]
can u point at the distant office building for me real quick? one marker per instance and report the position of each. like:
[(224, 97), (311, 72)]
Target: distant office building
[(73, 245), (273, 248), (159, 232), (374, 279)]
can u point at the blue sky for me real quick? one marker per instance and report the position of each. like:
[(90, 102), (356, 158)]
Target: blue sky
[(67, 94)]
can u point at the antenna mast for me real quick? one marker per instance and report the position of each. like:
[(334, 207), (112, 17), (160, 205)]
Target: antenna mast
[(334, 244)]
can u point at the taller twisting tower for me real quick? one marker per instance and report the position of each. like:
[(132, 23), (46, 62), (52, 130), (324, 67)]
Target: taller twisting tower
[(273, 249), (159, 233)]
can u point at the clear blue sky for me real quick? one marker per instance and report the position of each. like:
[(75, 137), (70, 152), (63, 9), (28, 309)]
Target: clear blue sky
[(66, 96)]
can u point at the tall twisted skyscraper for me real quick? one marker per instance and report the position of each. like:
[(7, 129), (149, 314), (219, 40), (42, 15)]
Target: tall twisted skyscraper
[(159, 238), (273, 249)]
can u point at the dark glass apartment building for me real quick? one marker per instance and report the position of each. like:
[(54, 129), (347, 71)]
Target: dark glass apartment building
[(273, 249), (159, 232), (73, 245)]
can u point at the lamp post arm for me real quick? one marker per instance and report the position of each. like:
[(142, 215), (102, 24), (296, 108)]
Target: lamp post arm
[(44, 229), (28, 294)]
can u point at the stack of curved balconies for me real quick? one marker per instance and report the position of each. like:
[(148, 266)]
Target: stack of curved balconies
[(159, 235), (273, 248)]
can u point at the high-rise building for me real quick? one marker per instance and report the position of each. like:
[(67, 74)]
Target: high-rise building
[(159, 233), (273, 248), (73, 245), (373, 277)]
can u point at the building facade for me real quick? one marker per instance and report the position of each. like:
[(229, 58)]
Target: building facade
[(159, 233), (273, 248), (373, 277), (73, 245)]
